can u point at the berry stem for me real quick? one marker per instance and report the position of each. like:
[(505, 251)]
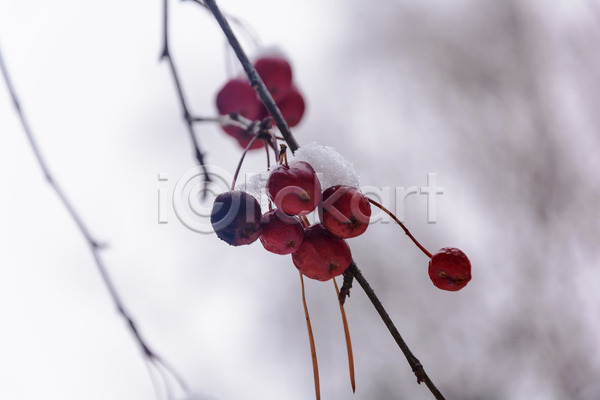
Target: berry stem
[(347, 336), (388, 212), (273, 144), (232, 119), (311, 338), (413, 361), (239, 166), (283, 154), (305, 221), (268, 158), (207, 119)]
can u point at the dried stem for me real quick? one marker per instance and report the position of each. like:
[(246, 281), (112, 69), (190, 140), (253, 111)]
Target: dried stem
[(94, 245), (347, 336), (239, 166), (258, 84), (166, 54), (311, 339)]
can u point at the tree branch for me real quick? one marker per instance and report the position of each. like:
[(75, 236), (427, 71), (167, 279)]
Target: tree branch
[(166, 54), (413, 361), (94, 246), (258, 84)]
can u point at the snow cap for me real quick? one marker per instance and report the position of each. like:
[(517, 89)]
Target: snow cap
[(331, 167)]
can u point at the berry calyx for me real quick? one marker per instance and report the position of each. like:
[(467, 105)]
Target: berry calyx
[(276, 73), (344, 211), (321, 255), (294, 188), (450, 269), (281, 233), (236, 218)]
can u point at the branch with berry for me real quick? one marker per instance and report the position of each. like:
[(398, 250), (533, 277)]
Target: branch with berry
[(247, 106), (247, 109)]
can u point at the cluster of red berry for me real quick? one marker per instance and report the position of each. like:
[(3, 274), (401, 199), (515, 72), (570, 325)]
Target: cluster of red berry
[(318, 251), (239, 98)]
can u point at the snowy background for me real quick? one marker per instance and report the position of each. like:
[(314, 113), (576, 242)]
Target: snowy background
[(498, 98)]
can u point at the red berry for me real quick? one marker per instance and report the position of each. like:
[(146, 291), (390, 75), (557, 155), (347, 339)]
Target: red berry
[(276, 73), (345, 211), (450, 269), (238, 97), (292, 106), (235, 218), (281, 233), (294, 188), (322, 255)]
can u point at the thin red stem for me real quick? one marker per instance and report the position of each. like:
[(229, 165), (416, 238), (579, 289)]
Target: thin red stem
[(388, 212), (239, 166)]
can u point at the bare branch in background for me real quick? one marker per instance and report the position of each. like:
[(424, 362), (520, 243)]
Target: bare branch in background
[(166, 54), (151, 357)]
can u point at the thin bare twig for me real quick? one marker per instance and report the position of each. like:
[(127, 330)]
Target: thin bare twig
[(166, 54), (94, 245), (258, 84)]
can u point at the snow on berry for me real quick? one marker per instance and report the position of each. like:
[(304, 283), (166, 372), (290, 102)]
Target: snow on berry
[(255, 185), (331, 167)]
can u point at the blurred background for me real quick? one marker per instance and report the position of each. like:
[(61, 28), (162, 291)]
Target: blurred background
[(499, 99)]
